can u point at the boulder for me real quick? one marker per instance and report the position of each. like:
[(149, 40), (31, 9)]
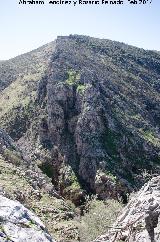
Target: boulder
[(18, 224)]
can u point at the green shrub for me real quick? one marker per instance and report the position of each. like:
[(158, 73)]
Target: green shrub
[(81, 88), (73, 77)]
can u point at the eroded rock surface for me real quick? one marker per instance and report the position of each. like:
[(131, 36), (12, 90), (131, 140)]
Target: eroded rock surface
[(140, 220), (18, 224)]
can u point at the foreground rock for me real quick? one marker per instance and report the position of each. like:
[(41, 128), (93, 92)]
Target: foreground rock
[(139, 221), (18, 224)]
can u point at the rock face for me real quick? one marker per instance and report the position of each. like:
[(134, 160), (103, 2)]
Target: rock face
[(139, 221), (5, 141), (98, 112), (18, 224)]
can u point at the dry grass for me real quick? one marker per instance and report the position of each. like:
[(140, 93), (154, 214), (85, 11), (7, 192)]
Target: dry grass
[(98, 219)]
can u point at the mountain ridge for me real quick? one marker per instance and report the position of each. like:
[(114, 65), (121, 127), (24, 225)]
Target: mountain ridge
[(118, 60), (86, 112), (65, 36)]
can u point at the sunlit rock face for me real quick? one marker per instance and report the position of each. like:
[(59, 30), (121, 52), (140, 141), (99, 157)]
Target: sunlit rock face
[(18, 224), (139, 221)]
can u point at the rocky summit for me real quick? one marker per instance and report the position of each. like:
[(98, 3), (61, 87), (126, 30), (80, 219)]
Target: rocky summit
[(80, 132)]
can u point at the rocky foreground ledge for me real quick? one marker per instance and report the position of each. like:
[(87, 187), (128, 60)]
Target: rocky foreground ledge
[(18, 224), (139, 221)]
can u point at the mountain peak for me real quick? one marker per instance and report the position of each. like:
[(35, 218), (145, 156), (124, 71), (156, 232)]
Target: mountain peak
[(86, 112)]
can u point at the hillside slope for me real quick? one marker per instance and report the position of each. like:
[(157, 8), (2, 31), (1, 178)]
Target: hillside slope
[(30, 63), (21, 180), (19, 78)]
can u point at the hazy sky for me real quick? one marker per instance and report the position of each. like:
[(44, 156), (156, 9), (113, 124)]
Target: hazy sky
[(25, 27)]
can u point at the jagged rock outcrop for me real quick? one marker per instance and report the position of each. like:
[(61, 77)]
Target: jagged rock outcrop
[(140, 219), (18, 224)]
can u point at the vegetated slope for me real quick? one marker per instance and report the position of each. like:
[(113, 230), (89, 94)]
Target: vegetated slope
[(97, 116), (29, 63), (18, 84), (22, 180)]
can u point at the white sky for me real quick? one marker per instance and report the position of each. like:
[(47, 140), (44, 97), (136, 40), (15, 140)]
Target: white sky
[(26, 27)]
